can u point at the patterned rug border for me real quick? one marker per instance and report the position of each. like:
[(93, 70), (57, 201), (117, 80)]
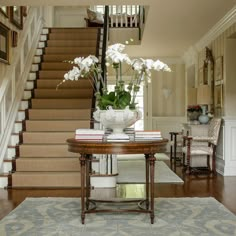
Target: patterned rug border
[(173, 216)]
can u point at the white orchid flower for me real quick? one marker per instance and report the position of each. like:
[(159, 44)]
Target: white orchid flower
[(86, 67), (116, 47), (93, 58), (78, 60), (73, 74), (148, 63), (158, 65), (117, 57)]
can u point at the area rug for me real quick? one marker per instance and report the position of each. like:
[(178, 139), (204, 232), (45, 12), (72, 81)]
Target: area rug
[(133, 172), (173, 217)]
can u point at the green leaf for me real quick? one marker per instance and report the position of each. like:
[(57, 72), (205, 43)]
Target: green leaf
[(122, 100)]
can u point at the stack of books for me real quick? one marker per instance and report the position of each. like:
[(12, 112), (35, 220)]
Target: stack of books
[(89, 134), (123, 137), (148, 135)]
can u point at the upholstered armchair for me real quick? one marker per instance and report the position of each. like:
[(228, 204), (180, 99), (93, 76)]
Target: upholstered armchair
[(194, 147)]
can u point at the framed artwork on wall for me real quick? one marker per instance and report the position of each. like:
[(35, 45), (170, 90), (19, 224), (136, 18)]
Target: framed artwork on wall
[(218, 96), (4, 10), (219, 69), (4, 43), (16, 16)]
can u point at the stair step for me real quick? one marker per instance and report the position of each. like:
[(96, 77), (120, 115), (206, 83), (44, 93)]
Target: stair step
[(70, 50), (56, 66), (46, 179), (62, 103), (59, 114), (56, 125), (52, 83), (63, 57), (47, 74), (47, 164), (72, 36), (45, 150), (70, 43), (63, 93), (80, 30), (46, 137)]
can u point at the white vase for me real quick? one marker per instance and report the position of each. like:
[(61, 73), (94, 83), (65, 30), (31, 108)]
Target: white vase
[(117, 120)]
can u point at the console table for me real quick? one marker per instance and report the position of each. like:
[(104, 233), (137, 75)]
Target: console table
[(87, 148)]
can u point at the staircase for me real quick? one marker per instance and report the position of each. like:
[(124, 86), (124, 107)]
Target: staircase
[(42, 159)]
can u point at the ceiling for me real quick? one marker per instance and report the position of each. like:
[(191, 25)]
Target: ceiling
[(172, 26)]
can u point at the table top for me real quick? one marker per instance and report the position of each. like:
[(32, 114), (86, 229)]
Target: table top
[(103, 147)]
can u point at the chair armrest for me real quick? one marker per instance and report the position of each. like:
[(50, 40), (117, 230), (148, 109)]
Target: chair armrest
[(174, 134), (202, 139)]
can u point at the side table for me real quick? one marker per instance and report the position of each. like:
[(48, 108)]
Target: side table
[(87, 148)]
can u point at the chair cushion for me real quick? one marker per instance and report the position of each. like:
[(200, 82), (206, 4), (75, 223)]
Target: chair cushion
[(198, 150)]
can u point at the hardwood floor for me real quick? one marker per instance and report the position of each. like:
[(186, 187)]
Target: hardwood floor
[(221, 188)]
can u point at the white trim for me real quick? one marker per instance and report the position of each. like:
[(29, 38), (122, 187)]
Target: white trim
[(218, 29), (10, 122), (229, 146), (228, 20)]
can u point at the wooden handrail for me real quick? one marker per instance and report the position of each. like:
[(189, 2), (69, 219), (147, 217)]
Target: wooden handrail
[(104, 43)]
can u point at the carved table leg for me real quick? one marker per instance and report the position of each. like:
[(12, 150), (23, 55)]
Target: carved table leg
[(152, 160), (82, 171), (175, 147), (88, 170), (188, 157), (147, 180)]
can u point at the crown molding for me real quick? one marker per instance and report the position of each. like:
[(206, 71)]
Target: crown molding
[(228, 20), (190, 56)]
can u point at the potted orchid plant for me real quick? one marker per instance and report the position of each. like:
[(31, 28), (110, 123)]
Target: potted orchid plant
[(115, 109), (121, 97)]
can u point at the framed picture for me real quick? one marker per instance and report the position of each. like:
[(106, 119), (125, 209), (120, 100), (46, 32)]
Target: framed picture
[(4, 43), (201, 76), (219, 69), (218, 96), (4, 10), (16, 16), (24, 11)]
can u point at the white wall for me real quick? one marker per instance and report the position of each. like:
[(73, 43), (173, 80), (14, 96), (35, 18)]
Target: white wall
[(70, 16), (230, 78)]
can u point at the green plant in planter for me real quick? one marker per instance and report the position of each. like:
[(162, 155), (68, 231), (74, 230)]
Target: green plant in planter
[(121, 97)]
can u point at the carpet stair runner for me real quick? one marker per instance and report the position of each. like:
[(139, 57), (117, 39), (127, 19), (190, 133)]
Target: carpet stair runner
[(53, 115)]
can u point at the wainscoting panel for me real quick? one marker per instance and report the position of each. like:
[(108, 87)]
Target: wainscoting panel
[(229, 147)]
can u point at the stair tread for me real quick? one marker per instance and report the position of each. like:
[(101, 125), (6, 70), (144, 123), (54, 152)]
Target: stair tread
[(45, 158), (47, 173)]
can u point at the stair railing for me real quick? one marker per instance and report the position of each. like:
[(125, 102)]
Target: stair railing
[(104, 43)]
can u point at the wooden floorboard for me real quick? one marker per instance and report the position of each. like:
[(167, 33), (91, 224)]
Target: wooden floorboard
[(221, 188)]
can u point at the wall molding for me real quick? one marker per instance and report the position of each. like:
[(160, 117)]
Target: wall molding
[(19, 85), (229, 146), (223, 24)]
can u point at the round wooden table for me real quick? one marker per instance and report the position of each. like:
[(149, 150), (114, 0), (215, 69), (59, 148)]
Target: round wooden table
[(86, 148)]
